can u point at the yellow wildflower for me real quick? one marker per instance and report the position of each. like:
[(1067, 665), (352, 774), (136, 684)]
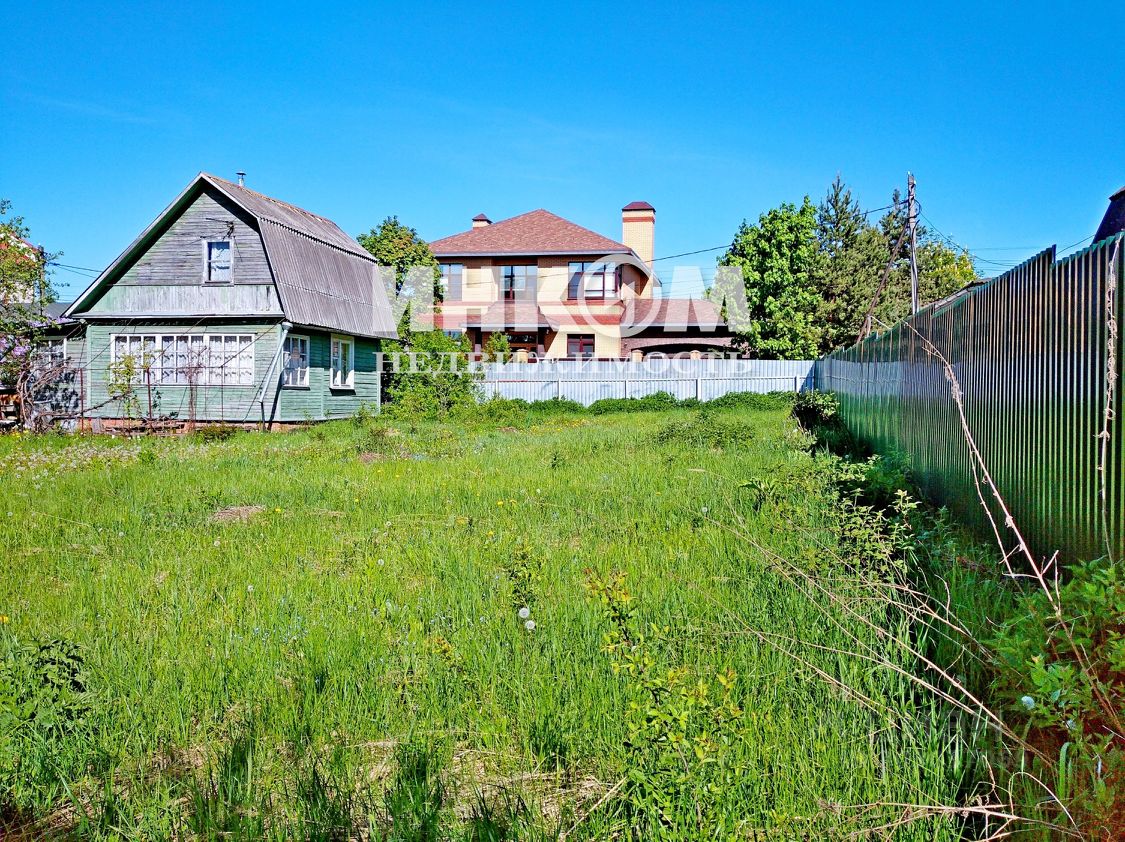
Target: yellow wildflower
[(4, 619)]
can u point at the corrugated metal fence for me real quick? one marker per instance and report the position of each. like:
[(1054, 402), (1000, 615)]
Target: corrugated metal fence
[(586, 381), (1030, 352)]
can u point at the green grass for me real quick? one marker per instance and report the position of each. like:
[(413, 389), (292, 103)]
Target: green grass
[(348, 658)]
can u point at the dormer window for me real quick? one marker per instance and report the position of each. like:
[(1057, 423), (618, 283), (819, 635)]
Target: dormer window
[(217, 261)]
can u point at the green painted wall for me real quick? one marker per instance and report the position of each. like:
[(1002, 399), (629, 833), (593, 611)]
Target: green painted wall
[(238, 404)]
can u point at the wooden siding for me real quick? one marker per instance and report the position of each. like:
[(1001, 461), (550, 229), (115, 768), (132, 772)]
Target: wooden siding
[(239, 404), (235, 404), (168, 278), (319, 401)]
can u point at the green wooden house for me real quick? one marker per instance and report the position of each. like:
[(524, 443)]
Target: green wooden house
[(232, 306)]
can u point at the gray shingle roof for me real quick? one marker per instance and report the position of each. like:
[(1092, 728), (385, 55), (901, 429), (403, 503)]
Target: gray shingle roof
[(324, 278)]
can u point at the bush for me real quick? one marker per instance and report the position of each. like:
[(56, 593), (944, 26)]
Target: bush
[(1064, 676), (655, 402), (751, 400), (706, 430), (216, 432)]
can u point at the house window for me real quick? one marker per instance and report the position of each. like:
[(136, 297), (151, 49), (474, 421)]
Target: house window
[(519, 282), (188, 359), (217, 259), (50, 353), (296, 361), (580, 345), (343, 364), (597, 281), (452, 275)]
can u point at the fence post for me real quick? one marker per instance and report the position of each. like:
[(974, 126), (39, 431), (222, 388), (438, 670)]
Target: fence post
[(698, 388), (796, 385), (558, 385)]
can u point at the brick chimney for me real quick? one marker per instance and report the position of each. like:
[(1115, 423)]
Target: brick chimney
[(638, 227), (481, 221)]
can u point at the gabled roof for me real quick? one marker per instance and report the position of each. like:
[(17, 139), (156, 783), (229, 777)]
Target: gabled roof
[(324, 278), (532, 233)]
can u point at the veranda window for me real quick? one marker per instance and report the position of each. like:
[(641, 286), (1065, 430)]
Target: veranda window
[(172, 359)]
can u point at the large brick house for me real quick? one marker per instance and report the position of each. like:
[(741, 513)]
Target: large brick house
[(559, 290)]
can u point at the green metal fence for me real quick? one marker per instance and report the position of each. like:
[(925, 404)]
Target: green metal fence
[(1029, 350)]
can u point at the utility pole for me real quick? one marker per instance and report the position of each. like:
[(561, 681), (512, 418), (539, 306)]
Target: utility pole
[(912, 224)]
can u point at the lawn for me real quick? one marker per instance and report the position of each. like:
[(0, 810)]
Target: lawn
[(319, 634)]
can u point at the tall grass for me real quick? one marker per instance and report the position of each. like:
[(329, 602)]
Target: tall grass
[(318, 634)]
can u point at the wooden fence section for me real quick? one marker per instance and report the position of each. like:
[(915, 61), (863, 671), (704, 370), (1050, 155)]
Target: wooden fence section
[(586, 381), (1031, 353)]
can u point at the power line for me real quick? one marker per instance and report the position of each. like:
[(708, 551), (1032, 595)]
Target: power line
[(80, 268), (690, 253)]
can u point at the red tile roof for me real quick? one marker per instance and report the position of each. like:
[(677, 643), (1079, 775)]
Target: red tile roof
[(533, 233)]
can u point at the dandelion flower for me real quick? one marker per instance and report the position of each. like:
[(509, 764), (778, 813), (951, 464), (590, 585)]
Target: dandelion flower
[(278, 509), (1028, 702), (499, 502), (529, 625), (249, 589), (380, 562), (4, 619), (524, 613), (216, 542)]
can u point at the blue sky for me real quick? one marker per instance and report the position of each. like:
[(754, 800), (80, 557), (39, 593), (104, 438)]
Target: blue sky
[(1011, 117)]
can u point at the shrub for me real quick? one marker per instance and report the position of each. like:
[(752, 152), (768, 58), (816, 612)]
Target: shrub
[(706, 430), (215, 432), (649, 403), (752, 400), (1061, 669)]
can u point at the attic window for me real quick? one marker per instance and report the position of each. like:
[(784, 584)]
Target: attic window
[(217, 259)]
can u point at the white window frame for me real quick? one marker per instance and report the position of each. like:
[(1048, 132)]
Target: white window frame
[(206, 242), (44, 349), (300, 380), (338, 378), (221, 354)]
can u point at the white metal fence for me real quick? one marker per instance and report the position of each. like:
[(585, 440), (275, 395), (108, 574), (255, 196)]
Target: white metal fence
[(586, 381)]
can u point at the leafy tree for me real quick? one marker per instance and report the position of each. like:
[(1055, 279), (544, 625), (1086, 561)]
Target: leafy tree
[(25, 290), (853, 256), (778, 258), (435, 379), (393, 244)]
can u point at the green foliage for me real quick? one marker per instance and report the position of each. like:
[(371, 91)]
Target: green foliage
[(1062, 672), (706, 429), (345, 662), (44, 704), (655, 402), (498, 348), (685, 728), (777, 257), (812, 273), (434, 381), (216, 432), (396, 245)]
